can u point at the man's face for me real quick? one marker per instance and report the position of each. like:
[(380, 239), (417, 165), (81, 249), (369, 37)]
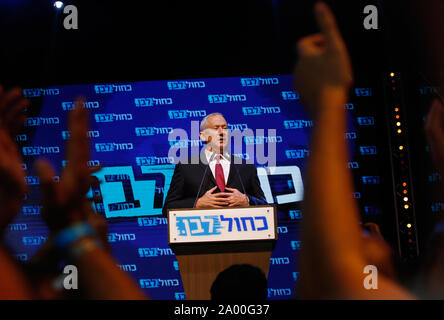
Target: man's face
[(216, 133)]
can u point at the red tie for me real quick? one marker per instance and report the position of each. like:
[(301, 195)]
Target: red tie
[(220, 179)]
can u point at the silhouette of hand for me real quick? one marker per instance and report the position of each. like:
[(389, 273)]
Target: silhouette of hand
[(324, 62), (12, 175)]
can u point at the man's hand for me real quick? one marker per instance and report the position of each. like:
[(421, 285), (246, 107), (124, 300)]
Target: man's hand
[(212, 200), (233, 198), (434, 132), (65, 203), (324, 62), (236, 198), (12, 176)]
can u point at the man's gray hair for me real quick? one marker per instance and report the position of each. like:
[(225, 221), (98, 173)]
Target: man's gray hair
[(203, 124)]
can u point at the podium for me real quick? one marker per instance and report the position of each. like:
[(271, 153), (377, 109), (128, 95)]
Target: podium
[(207, 241)]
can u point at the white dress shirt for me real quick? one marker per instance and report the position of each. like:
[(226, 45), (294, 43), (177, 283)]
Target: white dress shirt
[(224, 161)]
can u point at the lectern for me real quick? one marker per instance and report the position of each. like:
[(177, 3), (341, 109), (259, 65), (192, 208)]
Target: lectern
[(207, 241)]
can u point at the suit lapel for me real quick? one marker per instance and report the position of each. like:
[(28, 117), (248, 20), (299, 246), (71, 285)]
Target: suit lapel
[(203, 166), (233, 175), (230, 174)]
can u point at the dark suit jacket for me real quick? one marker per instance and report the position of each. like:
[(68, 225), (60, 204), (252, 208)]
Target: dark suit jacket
[(188, 177)]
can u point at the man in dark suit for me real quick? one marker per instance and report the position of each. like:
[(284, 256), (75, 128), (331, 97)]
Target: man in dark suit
[(229, 181)]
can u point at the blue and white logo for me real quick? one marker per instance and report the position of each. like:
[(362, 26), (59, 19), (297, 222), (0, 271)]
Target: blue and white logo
[(225, 98), (256, 82), (185, 114), (260, 110), (226, 225), (112, 88), (183, 85)]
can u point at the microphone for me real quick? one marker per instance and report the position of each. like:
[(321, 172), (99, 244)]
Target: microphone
[(203, 178)]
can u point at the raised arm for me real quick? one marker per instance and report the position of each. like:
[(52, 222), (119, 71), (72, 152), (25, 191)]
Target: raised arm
[(332, 259), (66, 212), (13, 282)]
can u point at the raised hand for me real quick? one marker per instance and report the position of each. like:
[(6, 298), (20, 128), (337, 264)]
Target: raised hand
[(65, 203), (323, 61), (12, 175), (434, 132)]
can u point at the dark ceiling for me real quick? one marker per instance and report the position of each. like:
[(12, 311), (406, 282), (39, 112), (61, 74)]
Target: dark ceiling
[(147, 40)]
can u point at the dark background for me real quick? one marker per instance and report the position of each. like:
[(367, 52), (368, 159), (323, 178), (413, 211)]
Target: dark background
[(142, 40), (120, 41)]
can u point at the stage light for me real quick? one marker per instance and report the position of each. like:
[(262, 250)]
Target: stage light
[(406, 206), (58, 4), (396, 109), (409, 225), (399, 130), (406, 199), (397, 116), (401, 147), (405, 191), (404, 184), (392, 74), (398, 124)]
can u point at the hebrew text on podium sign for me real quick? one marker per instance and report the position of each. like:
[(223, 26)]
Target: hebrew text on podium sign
[(214, 225)]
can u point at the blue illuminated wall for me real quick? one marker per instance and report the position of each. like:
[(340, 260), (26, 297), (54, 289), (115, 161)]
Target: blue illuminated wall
[(129, 128)]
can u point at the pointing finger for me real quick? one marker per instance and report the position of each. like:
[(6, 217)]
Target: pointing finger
[(327, 24)]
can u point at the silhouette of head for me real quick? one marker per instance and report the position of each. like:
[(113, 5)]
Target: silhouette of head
[(240, 282)]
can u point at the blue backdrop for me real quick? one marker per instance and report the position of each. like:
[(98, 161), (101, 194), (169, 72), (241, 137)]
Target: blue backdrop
[(129, 128)]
